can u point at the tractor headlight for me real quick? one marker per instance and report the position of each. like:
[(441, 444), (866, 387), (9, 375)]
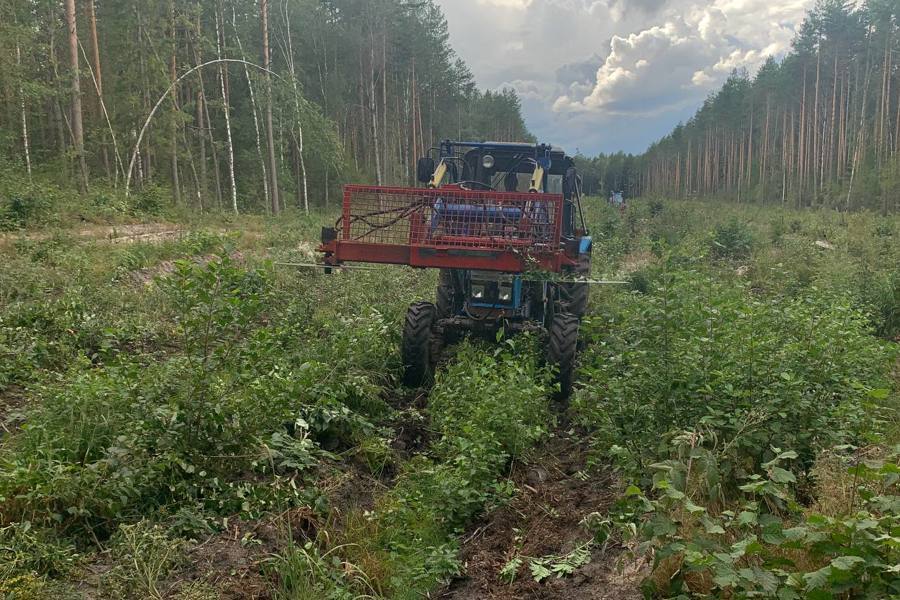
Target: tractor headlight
[(488, 161), (478, 291)]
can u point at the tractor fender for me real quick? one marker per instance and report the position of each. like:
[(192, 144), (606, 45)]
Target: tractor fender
[(585, 245)]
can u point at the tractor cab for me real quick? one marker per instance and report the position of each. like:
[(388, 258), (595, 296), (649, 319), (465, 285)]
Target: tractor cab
[(508, 167)]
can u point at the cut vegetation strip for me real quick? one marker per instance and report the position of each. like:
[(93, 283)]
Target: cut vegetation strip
[(486, 407)]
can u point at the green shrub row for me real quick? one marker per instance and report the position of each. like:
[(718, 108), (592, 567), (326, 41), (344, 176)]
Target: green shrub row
[(486, 408), (257, 384), (719, 402)]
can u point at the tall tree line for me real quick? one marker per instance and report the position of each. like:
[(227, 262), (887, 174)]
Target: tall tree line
[(257, 104), (607, 173), (819, 128)]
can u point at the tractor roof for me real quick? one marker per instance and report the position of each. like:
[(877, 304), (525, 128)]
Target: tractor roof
[(509, 156), (555, 151)]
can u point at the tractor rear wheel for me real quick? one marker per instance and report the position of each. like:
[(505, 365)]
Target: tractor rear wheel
[(561, 351), (574, 297), (416, 347)]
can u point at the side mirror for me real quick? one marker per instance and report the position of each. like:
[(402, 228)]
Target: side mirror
[(425, 169)]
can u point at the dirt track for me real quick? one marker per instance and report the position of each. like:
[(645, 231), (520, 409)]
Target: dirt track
[(544, 519), (114, 234)]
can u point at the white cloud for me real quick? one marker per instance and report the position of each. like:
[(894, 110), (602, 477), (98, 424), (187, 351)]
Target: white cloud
[(678, 61), (518, 4), (594, 73)]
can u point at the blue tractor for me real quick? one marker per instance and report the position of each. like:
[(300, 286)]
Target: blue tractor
[(503, 223)]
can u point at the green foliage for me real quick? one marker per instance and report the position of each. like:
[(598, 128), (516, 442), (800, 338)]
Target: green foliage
[(511, 412), (136, 436), (718, 390), (486, 408), (545, 567), (180, 383), (699, 351), (305, 573), (311, 93), (732, 240), (144, 557), (25, 550), (19, 211), (767, 546)]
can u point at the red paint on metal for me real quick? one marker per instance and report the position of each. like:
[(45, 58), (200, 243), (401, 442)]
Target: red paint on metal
[(450, 227)]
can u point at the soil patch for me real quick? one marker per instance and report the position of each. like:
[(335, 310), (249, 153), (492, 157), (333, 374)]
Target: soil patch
[(165, 268), (12, 409), (545, 519), (232, 561), (636, 261)]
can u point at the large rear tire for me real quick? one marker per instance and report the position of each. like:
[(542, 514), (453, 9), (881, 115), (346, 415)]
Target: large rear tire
[(561, 351), (575, 297), (416, 347)]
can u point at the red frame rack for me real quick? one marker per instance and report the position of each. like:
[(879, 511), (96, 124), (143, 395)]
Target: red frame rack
[(449, 227)]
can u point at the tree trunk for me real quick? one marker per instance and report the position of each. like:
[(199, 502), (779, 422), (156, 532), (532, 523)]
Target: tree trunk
[(861, 133), (76, 119), (201, 106), (146, 170), (815, 127), (386, 159), (212, 147), (26, 145), (897, 125), (373, 103), (98, 78), (414, 149), (302, 188), (763, 172), (173, 74), (270, 133), (832, 128), (220, 31), (57, 108), (879, 132), (801, 157), (253, 108)]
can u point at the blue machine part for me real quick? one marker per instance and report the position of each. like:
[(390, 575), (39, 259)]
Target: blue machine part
[(460, 217), (584, 247)]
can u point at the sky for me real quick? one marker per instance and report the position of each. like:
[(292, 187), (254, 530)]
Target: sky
[(607, 75)]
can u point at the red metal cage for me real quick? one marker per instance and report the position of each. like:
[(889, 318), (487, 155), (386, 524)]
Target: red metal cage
[(448, 227)]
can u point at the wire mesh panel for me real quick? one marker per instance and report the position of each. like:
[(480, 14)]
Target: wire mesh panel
[(448, 218)]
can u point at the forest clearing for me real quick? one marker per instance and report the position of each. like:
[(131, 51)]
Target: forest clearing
[(187, 419), (266, 332)]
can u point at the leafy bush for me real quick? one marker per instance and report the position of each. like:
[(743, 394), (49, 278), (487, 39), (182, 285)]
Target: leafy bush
[(151, 200), (752, 373), (21, 210), (144, 556), (132, 437), (766, 545), (486, 407), (732, 240), (469, 399)]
